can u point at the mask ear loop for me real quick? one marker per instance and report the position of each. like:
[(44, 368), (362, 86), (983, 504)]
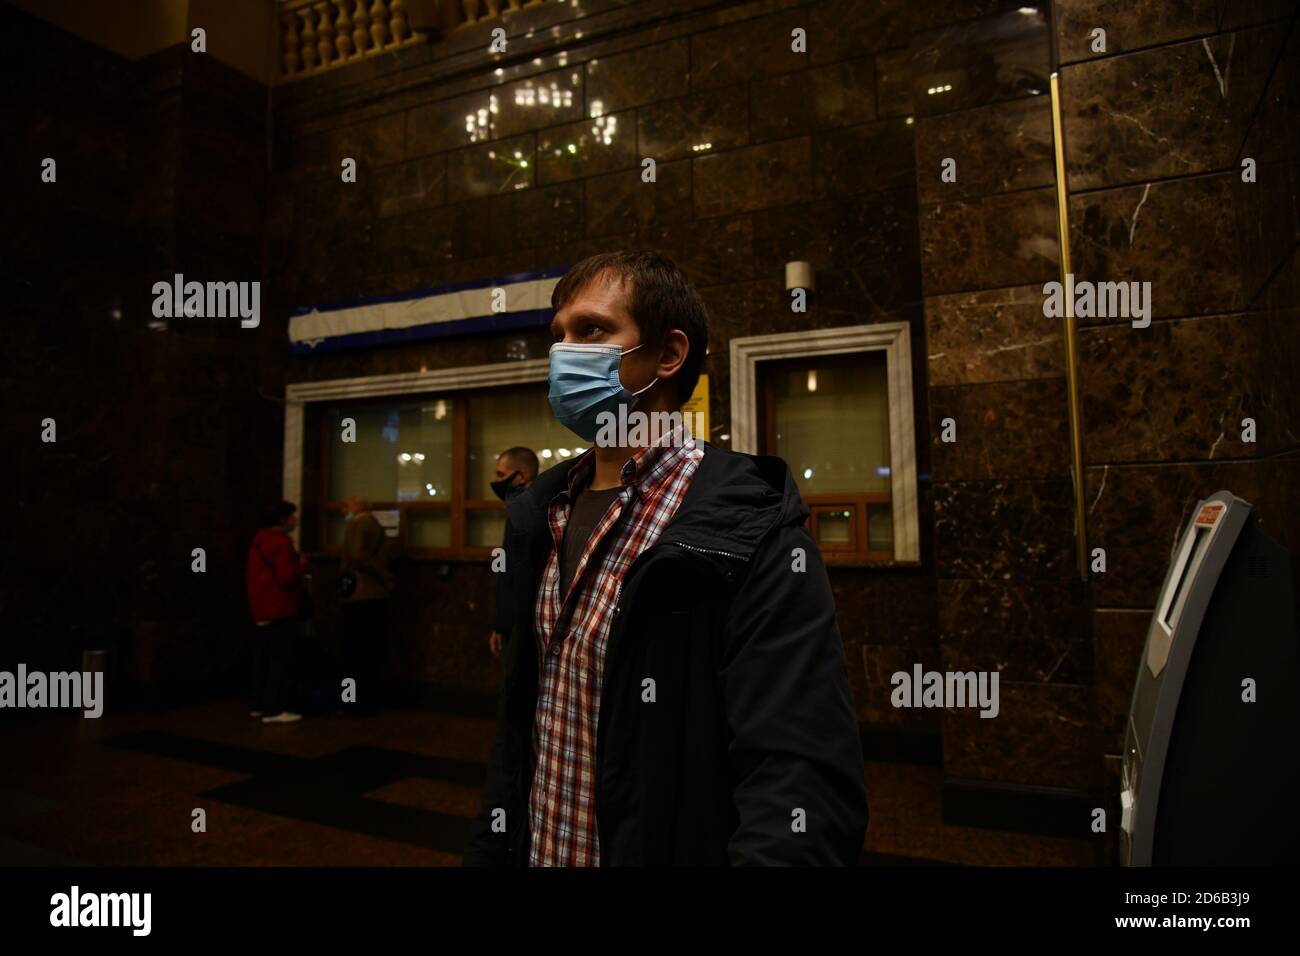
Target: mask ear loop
[(654, 381)]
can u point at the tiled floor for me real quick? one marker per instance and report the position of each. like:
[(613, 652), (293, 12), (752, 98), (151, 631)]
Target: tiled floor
[(395, 790)]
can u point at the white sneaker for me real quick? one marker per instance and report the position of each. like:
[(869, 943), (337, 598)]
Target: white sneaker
[(254, 713), (283, 717)]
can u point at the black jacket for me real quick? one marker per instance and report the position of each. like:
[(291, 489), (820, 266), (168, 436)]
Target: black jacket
[(750, 753)]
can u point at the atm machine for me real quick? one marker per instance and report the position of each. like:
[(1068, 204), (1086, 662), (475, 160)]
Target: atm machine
[(1207, 777)]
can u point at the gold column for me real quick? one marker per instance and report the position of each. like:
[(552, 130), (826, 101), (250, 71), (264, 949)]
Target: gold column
[(1071, 344)]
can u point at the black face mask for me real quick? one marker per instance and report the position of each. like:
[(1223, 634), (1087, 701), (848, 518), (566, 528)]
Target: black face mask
[(504, 489)]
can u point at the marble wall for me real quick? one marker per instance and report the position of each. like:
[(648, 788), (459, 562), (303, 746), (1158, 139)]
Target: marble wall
[(1155, 131), (167, 438), (1009, 596), (1158, 127)]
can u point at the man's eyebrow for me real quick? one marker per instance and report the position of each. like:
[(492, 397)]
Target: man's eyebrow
[(592, 316), (585, 316)]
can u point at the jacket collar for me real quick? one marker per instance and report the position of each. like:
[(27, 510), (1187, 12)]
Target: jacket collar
[(733, 501)]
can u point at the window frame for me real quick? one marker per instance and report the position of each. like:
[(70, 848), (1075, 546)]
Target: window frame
[(455, 383), (747, 408)]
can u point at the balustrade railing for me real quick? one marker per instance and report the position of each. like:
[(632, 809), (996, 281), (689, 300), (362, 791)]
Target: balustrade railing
[(318, 35)]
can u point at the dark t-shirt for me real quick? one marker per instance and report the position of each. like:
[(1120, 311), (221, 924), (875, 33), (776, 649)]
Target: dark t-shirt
[(585, 513)]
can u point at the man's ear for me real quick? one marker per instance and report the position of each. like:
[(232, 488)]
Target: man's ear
[(673, 354)]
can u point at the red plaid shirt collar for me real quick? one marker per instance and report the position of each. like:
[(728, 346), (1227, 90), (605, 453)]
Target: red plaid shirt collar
[(645, 471)]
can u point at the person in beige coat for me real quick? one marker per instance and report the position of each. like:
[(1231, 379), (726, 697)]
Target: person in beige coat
[(366, 590)]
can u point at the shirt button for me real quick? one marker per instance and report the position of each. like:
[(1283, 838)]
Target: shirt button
[(555, 648)]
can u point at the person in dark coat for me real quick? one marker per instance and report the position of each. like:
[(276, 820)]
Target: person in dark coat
[(676, 692), (515, 470)]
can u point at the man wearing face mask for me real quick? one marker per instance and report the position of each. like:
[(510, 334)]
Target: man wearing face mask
[(515, 470), (676, 689)]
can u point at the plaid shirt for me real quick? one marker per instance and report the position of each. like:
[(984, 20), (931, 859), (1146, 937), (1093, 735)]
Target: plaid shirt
[(571, 638)]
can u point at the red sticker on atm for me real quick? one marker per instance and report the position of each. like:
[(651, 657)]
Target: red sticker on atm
[(1210, 514)]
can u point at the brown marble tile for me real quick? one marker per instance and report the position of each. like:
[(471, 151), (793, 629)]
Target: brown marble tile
[(1044, 735), (992, 336), (1118, 636), (876, 666), (445, 124), (377, 142), (1000, 529), (839, 29), (773, 174), (1273, 135), (693, 124), (463, 270), (885, 607), (867, 158), (619, 200), (1027, 630), (422, 793), (745, 308), (640, 76), (519, 219), (1172, 111), (1129, 26), (1274, 505), (989, 243), (710, 252), (1239, 13), (1138, 512), (401, 242), (1179, 235), (975, 63), (894, 83), (907, 805), (1283, 290), (998, 148), (1267, 224), (869, 292), (746, 50), (491, 168), (418, 184), (587, 148), (330, 206), (1004, 430), (537, 102), (841, 94), (569, 253), (1179, 390), (838, 233), (1268, 210)]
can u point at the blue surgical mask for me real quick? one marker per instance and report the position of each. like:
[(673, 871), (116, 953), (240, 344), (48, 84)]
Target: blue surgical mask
[(584, 383)]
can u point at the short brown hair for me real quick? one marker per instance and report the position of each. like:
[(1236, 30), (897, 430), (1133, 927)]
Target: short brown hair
[(660, 298)]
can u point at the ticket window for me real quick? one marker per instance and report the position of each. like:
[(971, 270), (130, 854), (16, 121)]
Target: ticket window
[(427, 463), (828, 418)]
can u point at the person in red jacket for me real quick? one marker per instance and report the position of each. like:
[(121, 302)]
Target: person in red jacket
[(275, 598)]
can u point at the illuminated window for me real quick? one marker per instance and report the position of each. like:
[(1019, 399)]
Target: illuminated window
[(836, 405), (828, 418), (426, 463)]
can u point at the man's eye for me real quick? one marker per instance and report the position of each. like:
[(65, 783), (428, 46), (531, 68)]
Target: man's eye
[(593, 330)]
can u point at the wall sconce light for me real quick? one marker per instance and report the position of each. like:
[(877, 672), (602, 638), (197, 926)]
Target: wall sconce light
[(799, 275)]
